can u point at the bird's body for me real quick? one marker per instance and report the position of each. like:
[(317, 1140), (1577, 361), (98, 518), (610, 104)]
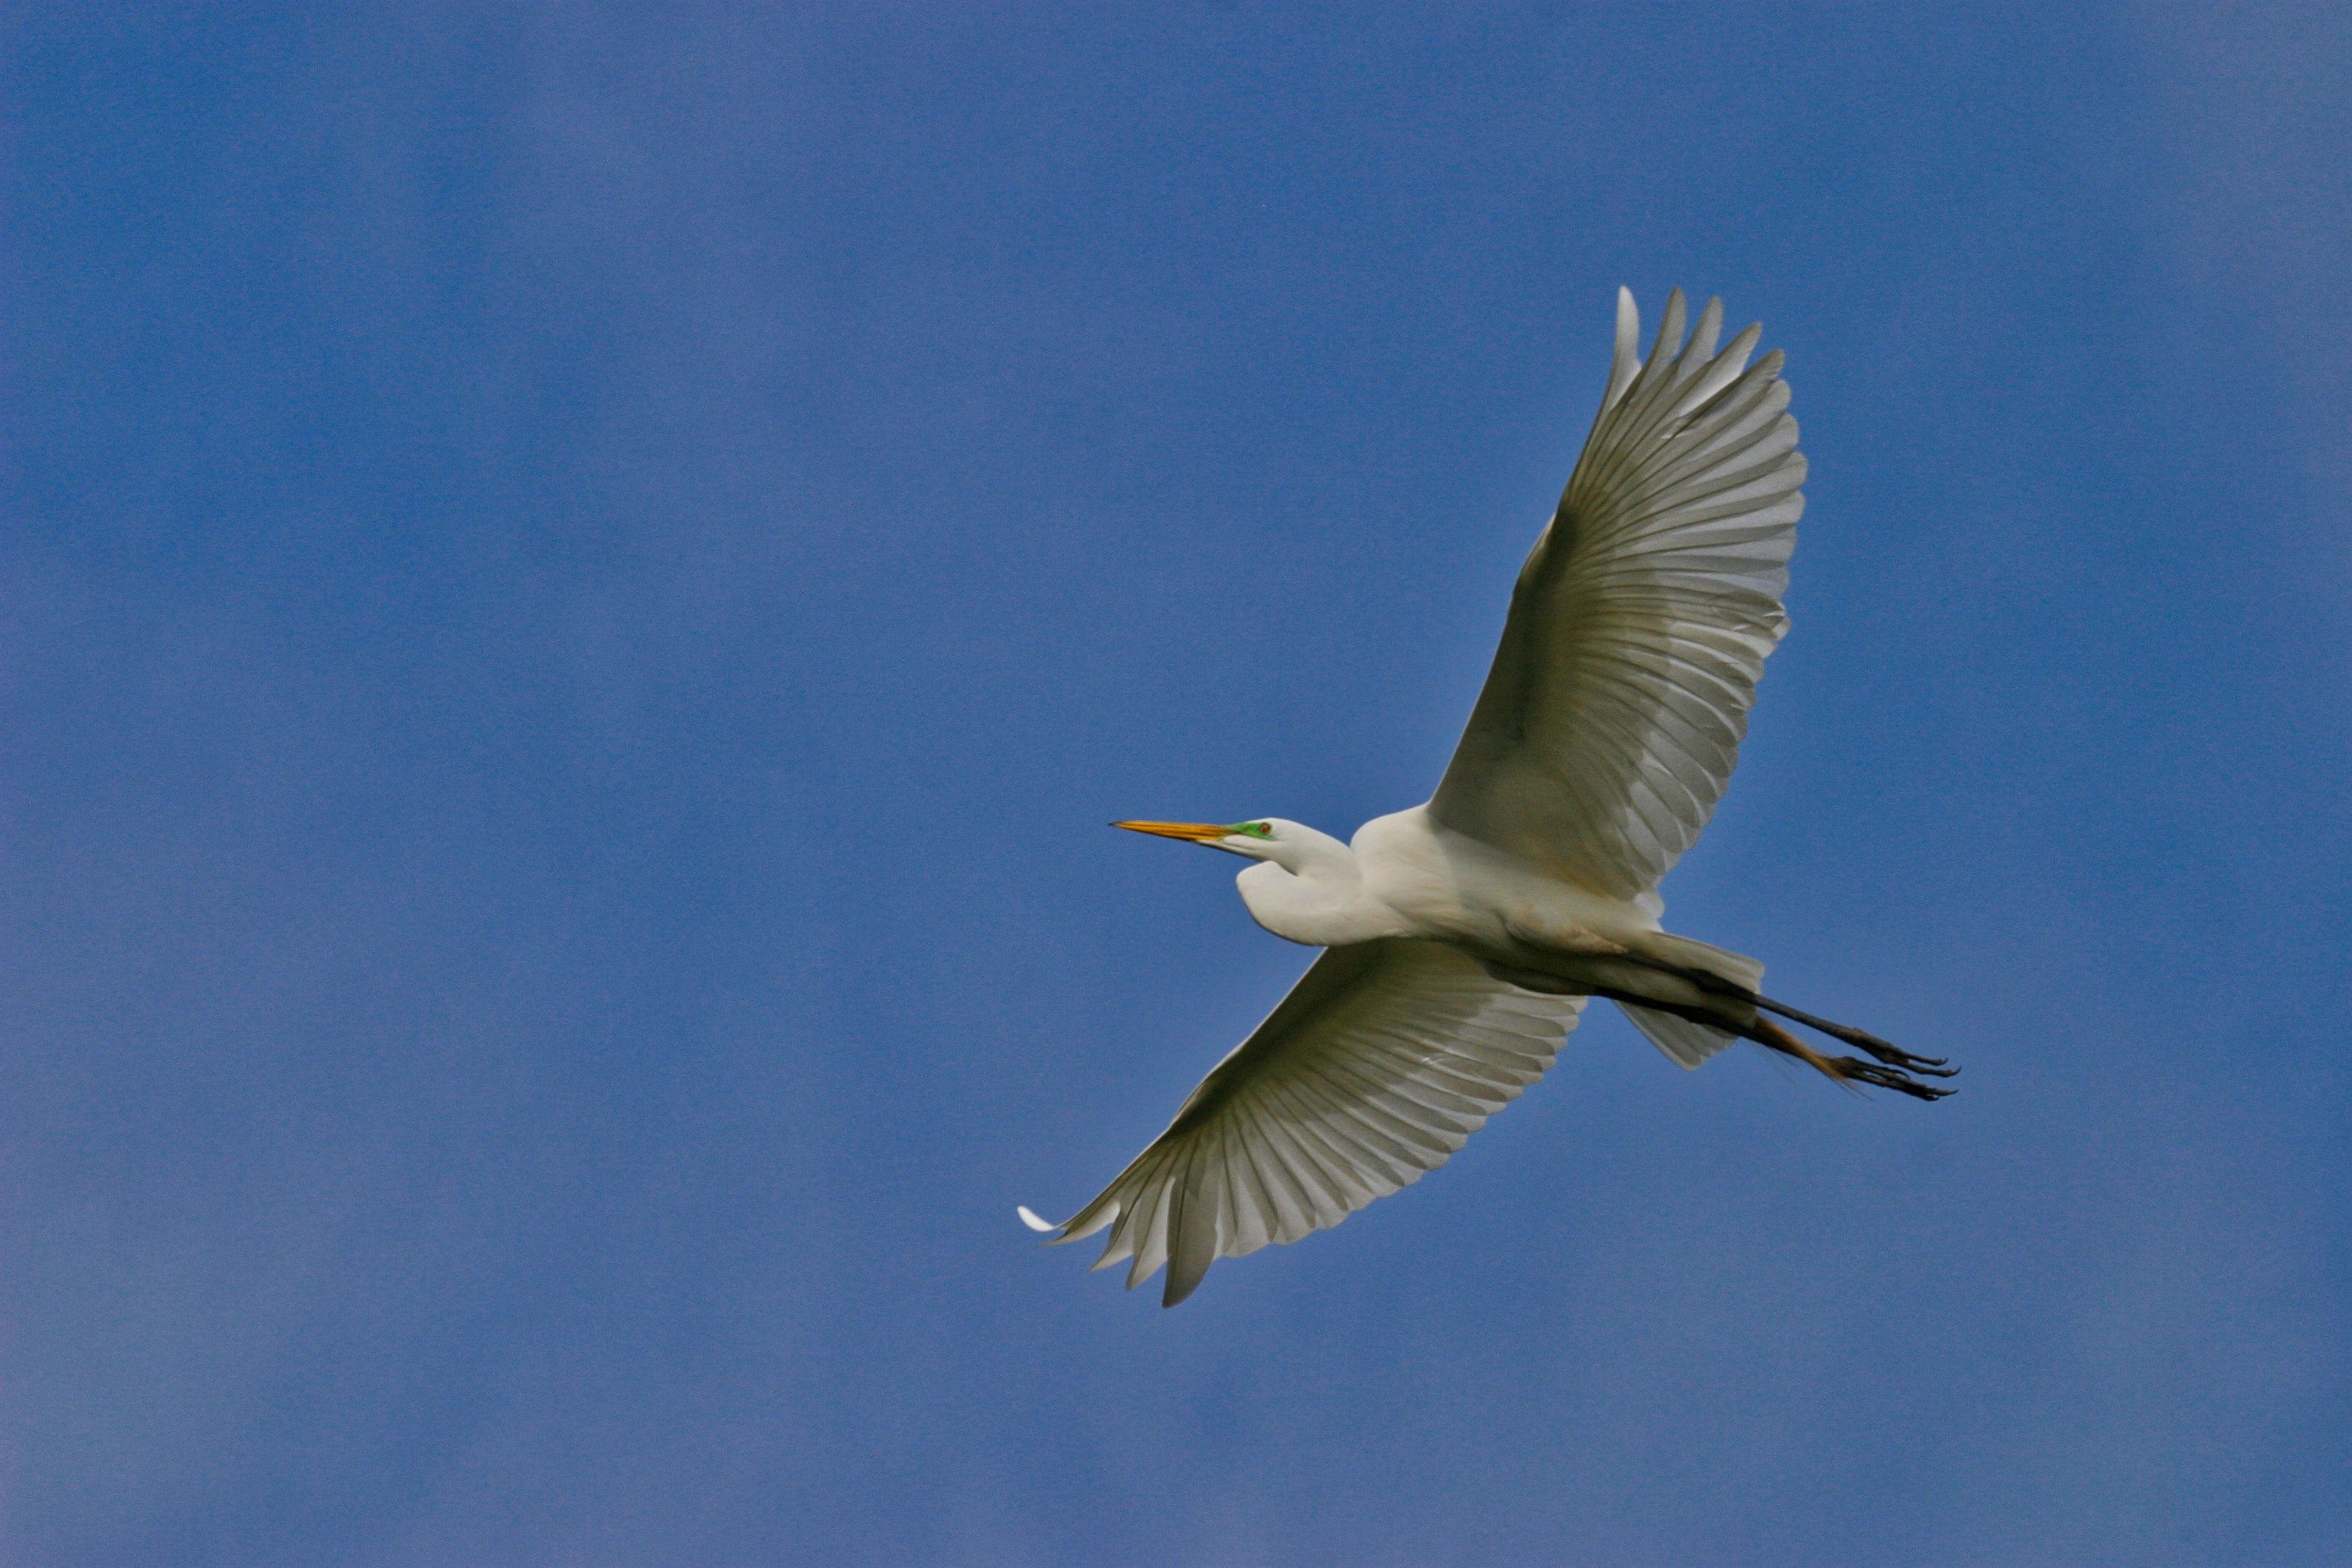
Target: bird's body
[(1462, 937), (1403, 875)]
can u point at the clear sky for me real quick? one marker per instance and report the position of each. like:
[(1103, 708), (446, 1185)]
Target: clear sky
[(581, 584)]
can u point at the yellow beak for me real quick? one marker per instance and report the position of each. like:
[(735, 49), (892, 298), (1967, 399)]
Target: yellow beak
[(1192, 832)]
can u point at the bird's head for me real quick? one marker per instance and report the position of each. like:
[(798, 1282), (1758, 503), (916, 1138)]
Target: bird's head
[(1263, 839), (1294, 846), (1306, 885)]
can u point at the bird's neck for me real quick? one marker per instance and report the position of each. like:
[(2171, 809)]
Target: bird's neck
[(1317, 896)]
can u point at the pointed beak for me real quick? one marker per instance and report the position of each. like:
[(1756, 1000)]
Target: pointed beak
[(1190, 832)]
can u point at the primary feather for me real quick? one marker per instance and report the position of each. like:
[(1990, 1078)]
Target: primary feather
[(1613, 714), (1376, 1066)]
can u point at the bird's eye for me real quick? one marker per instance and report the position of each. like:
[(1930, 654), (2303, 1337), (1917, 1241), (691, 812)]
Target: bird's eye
[(1262, 830)]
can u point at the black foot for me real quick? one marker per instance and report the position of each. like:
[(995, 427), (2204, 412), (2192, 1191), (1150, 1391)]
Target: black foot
[(1855, 1070), (1893, 1055)]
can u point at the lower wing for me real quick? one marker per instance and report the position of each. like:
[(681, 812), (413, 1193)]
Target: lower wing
[(1379, 1064)]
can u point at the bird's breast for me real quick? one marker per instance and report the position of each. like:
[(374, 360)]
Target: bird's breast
[(1449, 886)]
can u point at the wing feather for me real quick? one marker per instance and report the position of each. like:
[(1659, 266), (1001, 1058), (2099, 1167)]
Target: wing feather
[(1378, 1065), (1613, 714)]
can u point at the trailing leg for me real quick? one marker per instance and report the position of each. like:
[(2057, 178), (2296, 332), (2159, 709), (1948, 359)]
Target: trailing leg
[(1887, 1052), (1848, 1071), (1853, 1072), (1893, 1055)]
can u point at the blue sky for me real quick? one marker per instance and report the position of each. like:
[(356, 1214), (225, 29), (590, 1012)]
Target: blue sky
[(580, 583)]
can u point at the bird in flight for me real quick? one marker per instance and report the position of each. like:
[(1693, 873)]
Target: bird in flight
[(1463, 937)]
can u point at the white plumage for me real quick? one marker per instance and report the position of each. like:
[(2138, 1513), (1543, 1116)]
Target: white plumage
[(1463, 936), (1610, 721)]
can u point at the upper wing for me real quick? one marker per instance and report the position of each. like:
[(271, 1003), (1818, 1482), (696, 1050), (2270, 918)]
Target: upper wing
[(1639, 625), (1384, 1057)]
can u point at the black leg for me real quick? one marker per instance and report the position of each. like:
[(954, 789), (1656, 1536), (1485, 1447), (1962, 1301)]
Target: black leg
[(1893, 1055)]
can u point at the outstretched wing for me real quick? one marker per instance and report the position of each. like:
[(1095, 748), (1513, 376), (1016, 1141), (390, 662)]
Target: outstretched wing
[(1382, 1059), (1639, 625)]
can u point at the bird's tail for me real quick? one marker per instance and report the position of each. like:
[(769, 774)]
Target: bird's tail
[(1685, 1042), (1680, 953)]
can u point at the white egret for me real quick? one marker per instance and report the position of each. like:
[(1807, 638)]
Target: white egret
[(1463, 937)]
